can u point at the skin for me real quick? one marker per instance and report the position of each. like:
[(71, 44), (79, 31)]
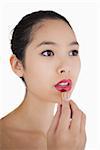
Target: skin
[(33, 121)]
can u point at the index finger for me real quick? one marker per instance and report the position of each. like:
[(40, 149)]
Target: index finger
[(64, 120), (76, 117)]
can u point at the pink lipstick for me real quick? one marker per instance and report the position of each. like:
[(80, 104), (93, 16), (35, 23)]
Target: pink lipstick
[(64, 85)]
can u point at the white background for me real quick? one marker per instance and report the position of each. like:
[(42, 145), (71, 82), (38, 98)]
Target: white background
[(85, 20)]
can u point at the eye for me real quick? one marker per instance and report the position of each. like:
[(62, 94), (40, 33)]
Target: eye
[(47, 53), (73, 53)]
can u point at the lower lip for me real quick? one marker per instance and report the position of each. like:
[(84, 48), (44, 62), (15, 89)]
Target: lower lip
[(64, 88)]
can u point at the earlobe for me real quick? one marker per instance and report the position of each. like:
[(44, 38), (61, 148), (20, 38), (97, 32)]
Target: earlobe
[(16, 66)]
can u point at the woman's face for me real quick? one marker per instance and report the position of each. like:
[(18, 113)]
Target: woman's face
[(52, 50)]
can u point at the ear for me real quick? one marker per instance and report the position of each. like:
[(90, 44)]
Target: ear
[(16, 66)]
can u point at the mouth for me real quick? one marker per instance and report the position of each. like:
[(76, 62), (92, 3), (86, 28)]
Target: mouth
[(64, 85)]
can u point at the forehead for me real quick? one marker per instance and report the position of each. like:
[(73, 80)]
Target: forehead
[(55, 30)]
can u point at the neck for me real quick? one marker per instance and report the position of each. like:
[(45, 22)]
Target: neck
[(36, 114)]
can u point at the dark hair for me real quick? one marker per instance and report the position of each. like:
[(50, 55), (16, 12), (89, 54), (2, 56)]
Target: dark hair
[(21, 36)]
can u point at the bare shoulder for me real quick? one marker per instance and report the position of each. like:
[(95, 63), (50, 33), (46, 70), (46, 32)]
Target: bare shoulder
[(1, 125), (13, 138)]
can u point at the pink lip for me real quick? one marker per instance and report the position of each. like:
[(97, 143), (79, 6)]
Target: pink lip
[(65, 87)]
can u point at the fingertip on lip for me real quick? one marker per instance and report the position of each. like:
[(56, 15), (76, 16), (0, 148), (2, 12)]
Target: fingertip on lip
[(65, 96)]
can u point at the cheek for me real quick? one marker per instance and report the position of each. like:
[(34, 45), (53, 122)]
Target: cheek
[(76, 66), (38, 75), (38, 79)]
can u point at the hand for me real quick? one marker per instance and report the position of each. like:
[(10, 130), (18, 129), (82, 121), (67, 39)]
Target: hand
[(67, 131)]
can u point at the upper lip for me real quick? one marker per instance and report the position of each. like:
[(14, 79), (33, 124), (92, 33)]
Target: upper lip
[(64, 81)]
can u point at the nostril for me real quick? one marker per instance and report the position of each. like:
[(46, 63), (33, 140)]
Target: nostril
[(62, 71)]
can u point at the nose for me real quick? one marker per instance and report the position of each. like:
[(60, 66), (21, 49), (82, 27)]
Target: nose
[(64, 69)]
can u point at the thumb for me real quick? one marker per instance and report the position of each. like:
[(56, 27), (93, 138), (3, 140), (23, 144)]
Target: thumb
[(55, 120)]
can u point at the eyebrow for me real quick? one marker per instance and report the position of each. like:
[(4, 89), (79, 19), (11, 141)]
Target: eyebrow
[(53, 43)]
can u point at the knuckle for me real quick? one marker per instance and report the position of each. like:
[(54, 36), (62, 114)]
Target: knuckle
[(81, 113), (78, 112), (83, 116), (74, 134)]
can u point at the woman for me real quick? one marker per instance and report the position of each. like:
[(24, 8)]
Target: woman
[(45, 56)]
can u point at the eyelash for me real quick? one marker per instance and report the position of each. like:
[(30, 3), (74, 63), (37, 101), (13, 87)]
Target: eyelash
[(74, 51)]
